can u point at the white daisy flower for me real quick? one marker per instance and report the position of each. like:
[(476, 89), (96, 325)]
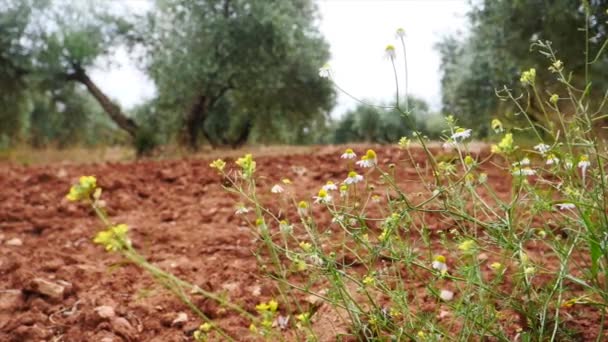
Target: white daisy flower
[(329, 186), (400, 33), (368, 160), (565, 206), (439, 264), (526, 171), (353, 178), (584, 163), (542, 148), (524, 162), (241, 209), (446, 295), (389, 52), (348, 154), (322, 197), (552, 159), (461, 134), (276, 189), (364, 162), (325, 71)]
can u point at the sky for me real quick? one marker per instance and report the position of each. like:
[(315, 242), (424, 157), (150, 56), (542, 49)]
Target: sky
[(358, 32)]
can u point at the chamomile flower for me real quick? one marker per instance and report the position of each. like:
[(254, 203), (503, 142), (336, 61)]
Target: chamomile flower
[(325, 71), (566, 206), (241, 209), (343, 190), (524, 162), (322, 197), (542, 148), (285, 227), (439, 264), (584, 163), (303, 207), (552, 159), (276, 189), (368, 160), (348, 154), (461, 134), (400, 33), (353, 178), (526, 171), (329, 186), (389, 52)]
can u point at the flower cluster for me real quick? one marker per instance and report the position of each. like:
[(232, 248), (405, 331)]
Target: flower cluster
[(114, 238), (83, 190)]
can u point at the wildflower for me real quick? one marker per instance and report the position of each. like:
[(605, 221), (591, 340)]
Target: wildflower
[(389, 52), (259, 222), (552, 159), (303, 317), (322, 197), (343, 190), (469, 161), (218, 164), (306, 246), (439, 264), (404, 142), (483, 177), (368, 160), (526, 171), (554, 98), (303, 207), (376, 199), (329, 186), (446, 295), (466, 246), (353, 178), (529, 270), (556, 67), (348, 154), (461, 134), (325, 71), (524, 162), (566, 206), (496, 266), (276, 189), (505, 145), (286, 181), (83, 190), (205, 327), (114, 238), (497, 126), (285, 227), (542, 148), (253, 328), (270, 306), (247, 164), (400, 33), (368, 280), (528, 77), (241, 209), (584, 163)]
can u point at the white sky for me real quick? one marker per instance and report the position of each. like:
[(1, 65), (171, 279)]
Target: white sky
[(357, 31)]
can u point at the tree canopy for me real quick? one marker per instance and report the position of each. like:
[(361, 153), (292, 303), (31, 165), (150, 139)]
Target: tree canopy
[(498, 48)]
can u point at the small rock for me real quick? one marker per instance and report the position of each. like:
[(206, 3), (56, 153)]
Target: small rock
[(180, 320), (9, 300), (123, 328), (46, 288), (105, 311), (16, 242)]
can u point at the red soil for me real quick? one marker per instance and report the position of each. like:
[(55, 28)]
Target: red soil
[(180, 219)]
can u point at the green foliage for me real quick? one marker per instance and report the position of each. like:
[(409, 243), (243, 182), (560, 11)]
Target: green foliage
[(385, 124), (496, 51), (248, 63)]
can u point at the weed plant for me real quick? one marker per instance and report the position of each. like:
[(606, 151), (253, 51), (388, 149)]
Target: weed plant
[(456, 259)]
